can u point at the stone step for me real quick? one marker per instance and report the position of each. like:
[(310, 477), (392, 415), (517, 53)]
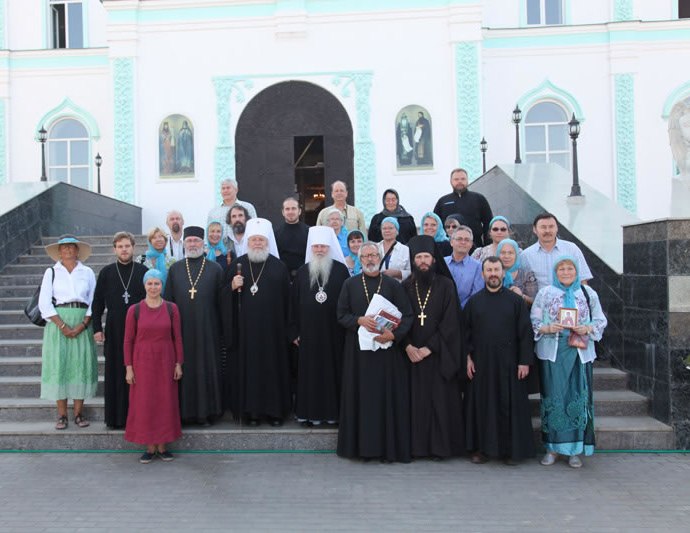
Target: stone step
[(25, 330), (609, 403), (27, 348), (608, 378), (29, 386), (13, 303), (92, 239), (98, 249), (612, 433), (24, 270), (43, 259), (13, 317), (37, 410), (25, 291), (19, 280), (29, 366)]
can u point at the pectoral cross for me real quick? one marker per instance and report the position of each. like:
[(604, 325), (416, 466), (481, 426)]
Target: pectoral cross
[(421, 316), (192, 292), (125, 297)]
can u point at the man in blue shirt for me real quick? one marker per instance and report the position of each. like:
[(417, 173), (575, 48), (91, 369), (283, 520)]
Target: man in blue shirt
[(466, 272)]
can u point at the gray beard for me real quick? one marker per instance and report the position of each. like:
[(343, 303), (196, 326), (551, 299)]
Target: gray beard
[(319, 270), (193, 254), (257, 256)]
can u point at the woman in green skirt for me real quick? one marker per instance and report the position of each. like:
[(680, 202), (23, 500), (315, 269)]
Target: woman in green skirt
[(69, 365), (566, 353)]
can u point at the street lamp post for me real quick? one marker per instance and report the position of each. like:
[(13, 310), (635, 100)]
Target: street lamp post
[(517, 117), (574, 126), (99, 162), (43, 137), (483, 146)]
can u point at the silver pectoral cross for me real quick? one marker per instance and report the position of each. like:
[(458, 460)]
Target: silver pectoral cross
[(125, 297)]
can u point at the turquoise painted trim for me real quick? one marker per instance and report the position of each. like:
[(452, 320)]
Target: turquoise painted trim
[(467, 108), (45, 24), (3, 13), (123, 160), (3, 142), (68, 109), (567, 15), (678, 94), (626, 179), (85, 23), (674, 9), (58, 61), (623, 10), (548, 91)]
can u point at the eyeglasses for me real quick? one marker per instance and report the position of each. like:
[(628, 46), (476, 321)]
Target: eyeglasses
[(499, 229), (462, 239), (451, 226), (368, 256)]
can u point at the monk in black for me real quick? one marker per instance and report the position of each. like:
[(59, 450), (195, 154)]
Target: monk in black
[(119, 286), (375, 402), (194, 284), (500, 348), (434, 347), (291, 237)]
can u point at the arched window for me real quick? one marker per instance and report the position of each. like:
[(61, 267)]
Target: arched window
[(68, 153), (546, 135)]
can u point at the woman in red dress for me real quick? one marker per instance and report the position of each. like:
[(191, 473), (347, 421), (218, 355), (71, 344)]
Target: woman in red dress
[(153, 357)]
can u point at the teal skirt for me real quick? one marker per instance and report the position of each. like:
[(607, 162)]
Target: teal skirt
[(567, 411), (69, 366)]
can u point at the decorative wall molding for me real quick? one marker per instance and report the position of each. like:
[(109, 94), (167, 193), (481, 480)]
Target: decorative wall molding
[(626, 178), (68, 109), (3, 141), (467, 107), (679, 93), (123, 113), (622, 10), (548, 91), (3, 23)]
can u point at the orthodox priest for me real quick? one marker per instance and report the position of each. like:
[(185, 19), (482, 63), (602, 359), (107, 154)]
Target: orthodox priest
[(434, 347), (375, 399), (315, 330), (291, 237), (500, 348), (120, 285), (194, 284), (257, 289)]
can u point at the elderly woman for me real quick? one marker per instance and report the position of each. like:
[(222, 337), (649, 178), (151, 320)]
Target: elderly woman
[(392, 208), (215, 248), (336, 220), (156, 255), (153, 357), (521, 281), (433, 227), (499, 229), (452, 223), (69, 369), (395, 256), (354, 241), (565, 362)]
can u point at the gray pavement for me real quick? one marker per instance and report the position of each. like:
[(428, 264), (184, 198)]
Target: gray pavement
[(320, 492)]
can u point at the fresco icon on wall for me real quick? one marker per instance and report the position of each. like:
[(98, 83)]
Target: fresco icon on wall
[(176, 147), (413, 139)]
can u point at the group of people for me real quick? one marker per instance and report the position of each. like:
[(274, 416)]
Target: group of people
[(414, 345)]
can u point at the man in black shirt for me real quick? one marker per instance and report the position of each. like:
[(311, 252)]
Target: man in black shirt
[(473, 207), (291, 237)]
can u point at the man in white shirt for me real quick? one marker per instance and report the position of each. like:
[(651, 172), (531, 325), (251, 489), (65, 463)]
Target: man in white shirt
[(237, 220), (354, 218), (175, 223), (228, 191), (543, 254)]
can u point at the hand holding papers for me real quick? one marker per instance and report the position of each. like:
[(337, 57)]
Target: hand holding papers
[(386, 316)]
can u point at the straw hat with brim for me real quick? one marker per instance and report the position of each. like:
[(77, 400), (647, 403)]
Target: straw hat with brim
[(53, 250)]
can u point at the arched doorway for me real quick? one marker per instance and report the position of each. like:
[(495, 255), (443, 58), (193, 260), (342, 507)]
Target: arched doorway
[(293, 138)]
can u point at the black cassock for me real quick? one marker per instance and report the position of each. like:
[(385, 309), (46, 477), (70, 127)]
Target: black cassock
[(256, 325), (375, 399), (291, 240), (109, 295), (499, 338), (200, 389), (438, 428), (322, 340)]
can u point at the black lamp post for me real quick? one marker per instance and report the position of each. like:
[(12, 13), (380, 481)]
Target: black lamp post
[(43, 137), (99, 162), (484, 146), (517, 117), (574, 125)]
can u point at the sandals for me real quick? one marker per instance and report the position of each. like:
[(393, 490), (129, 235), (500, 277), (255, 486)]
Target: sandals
[(61, 423), (81, 422)]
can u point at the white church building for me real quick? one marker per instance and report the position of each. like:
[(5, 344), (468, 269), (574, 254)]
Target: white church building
[(287, 96)]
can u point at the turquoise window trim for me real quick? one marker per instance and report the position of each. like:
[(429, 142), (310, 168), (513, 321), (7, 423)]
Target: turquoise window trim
[(55, 120), (623, 10), (3, 22), (62, 59), (626, 165), (3, 142), (68, 109), (124, 134), (567, 17), (548, 91), (674, 9), (679, 93), (85, 23), (45, 24)]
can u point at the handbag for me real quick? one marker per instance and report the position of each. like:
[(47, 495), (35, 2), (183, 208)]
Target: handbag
[(32, 312), (578, 341)]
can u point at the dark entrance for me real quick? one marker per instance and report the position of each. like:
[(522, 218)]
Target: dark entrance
[(293, 138)]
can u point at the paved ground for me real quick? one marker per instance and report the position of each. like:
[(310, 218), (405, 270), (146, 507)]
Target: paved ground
[(299, 492)]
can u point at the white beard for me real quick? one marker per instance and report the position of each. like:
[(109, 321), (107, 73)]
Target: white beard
[(258, 256), (193, 254), (319, 270)]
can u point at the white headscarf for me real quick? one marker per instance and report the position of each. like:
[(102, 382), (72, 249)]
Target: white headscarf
[(324, 235), (263, 228)]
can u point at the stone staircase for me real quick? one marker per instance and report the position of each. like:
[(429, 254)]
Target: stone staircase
[(26, 422)]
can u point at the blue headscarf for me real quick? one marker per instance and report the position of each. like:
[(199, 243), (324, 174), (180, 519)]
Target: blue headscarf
[(569, 297), (357, 268), (499, 217), (440, 231), (392, 220), (211, 255), (508, 280), (157, 259), (153, 273)]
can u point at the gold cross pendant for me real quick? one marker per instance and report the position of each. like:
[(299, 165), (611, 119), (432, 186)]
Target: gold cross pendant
[(193, 291)]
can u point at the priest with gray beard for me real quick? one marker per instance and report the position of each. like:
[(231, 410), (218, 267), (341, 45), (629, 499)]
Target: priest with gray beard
[(315, 330), (256, 302), (194, 284)]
